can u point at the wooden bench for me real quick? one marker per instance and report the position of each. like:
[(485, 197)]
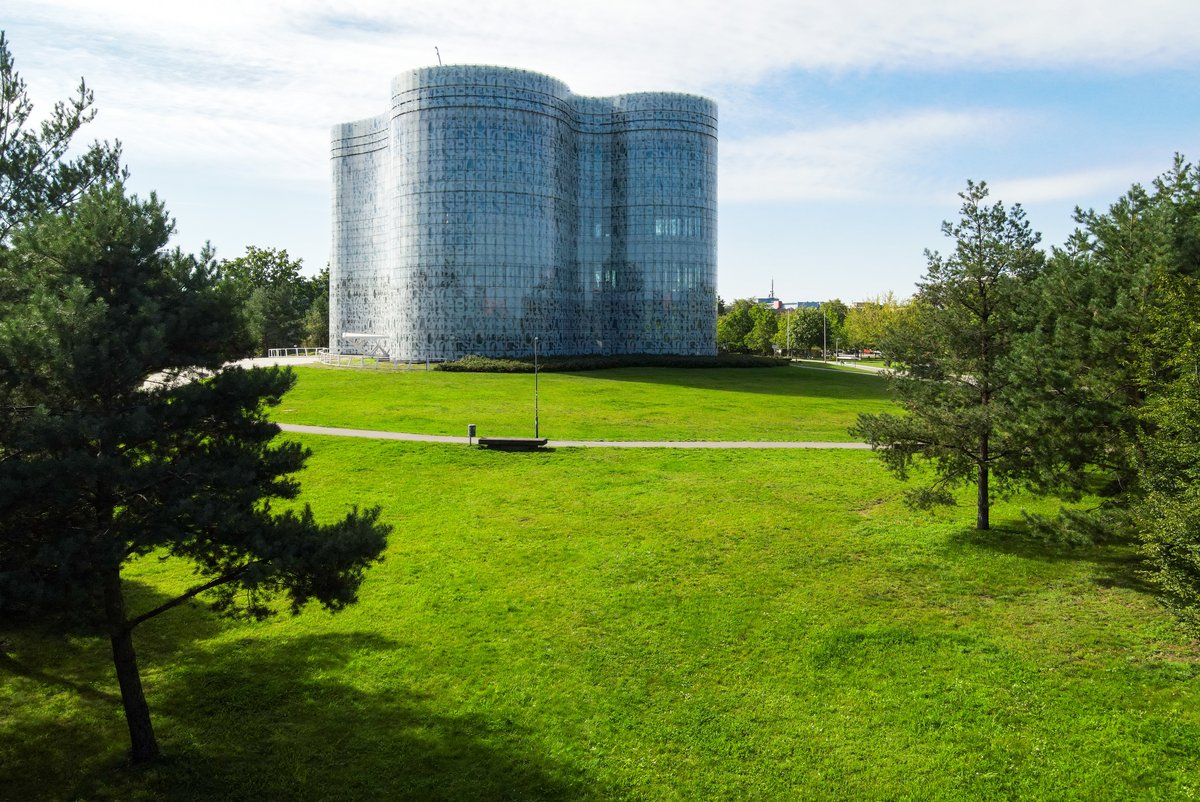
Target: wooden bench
[(512, 443)]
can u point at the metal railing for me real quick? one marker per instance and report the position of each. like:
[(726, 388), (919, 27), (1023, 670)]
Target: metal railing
[(376, 362), (296, 350)]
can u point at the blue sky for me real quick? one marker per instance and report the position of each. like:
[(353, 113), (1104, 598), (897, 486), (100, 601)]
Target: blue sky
[(847, 128)]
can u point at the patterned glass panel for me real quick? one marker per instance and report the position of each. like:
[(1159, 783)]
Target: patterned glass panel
[(491, 205)]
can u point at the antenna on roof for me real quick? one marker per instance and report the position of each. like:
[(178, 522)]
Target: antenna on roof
[(439, 55)]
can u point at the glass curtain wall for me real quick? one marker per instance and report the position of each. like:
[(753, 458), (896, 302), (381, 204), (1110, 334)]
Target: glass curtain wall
[(491, 206)]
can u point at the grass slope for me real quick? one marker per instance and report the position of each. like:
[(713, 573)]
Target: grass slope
[(639, 625), (619, 404)]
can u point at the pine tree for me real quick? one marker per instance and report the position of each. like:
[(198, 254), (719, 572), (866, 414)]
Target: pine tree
[(35, 176), (1109, 380), (1083, 361), (112, 448), (1167, 509), (957, 383)]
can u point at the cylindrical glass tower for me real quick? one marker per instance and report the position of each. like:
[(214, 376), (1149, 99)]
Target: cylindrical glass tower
[(490, 206)]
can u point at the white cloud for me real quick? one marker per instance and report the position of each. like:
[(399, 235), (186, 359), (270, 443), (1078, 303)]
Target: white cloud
[(261, 82), (252, 88), (858, 160), (1073, 186)]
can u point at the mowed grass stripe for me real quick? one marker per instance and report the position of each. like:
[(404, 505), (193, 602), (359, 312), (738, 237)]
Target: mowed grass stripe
[(794, 404), (643, 625)]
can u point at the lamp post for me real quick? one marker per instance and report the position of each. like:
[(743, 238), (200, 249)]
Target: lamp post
[(535, 388), (824, 337), (787, 321)]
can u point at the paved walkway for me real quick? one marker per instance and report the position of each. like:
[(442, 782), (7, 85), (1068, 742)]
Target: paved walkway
[(443, 438), (816, 364), (275, 361)]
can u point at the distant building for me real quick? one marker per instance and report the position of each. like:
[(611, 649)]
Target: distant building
[(783, 306), (488, 206), (771, 302)]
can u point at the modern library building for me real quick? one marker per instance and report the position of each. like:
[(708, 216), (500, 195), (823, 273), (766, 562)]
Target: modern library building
[(489, 206)]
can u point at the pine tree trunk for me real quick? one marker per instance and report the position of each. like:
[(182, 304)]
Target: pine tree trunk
[(143, 744), (981, 510)]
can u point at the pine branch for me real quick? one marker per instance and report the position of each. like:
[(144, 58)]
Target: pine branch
[(178, 600)]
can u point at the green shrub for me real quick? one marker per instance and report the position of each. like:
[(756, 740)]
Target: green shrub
[(483, 364)]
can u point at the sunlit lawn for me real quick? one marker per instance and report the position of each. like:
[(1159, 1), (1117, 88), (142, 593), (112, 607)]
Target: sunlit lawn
[(639, 625), (791, 403)]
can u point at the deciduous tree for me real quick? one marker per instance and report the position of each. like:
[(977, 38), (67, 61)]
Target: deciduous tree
[(801, 331), (766, 322), (834, 321), (272, 294), (867, 323), (734, 325), (316, 319)]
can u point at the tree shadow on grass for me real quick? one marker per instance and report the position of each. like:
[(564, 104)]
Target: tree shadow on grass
[(64, 719), (1118, 560), (62, 678), (783, 381), (75, 657), (284, 719)]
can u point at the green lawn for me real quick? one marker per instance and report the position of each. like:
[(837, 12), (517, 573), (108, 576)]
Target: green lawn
[(650, 624), (789, 403)]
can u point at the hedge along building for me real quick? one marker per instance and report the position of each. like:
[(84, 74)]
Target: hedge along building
[(490, 206)]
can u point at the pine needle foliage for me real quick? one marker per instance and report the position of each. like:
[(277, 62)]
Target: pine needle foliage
[(122, 435), (957, 352)]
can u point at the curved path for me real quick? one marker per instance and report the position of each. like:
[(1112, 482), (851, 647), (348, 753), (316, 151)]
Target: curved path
[(374, 434), (443, 438)]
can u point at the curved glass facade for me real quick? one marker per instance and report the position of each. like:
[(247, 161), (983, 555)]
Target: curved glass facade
[(490, 206)]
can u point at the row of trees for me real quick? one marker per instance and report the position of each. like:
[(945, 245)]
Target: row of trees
[(111, 449), (1074, 374), (279, 306), (868, 322), (748, 327)]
